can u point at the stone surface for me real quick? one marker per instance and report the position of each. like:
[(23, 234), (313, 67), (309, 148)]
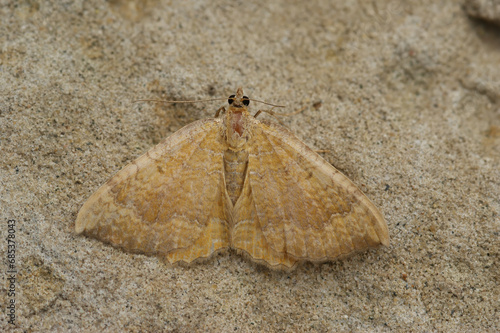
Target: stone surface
[(487, 10), (409, 112)]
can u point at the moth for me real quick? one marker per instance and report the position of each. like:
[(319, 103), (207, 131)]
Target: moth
[(233, 182)]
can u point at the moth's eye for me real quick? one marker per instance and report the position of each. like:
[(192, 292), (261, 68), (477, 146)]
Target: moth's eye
[(230, 100), (245, 100)]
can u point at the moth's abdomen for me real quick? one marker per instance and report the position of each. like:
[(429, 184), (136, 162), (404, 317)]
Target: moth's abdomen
[(235, 167)]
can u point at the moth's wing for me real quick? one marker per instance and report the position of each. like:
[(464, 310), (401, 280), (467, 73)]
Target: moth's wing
[(170, 201), (295, 206)]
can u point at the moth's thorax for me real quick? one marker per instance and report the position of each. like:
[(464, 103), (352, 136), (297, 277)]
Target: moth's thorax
[(238, 129), (237, 122)]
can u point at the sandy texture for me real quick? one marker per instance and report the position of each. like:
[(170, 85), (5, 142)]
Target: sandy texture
[(410, 112)]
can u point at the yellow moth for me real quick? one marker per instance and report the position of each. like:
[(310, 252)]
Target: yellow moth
[(233, 182)]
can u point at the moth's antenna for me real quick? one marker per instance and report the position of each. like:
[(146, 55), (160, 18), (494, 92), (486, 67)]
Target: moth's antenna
[(164, 101), (202, 100)]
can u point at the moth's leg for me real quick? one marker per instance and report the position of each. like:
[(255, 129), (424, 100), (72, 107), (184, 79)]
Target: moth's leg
[(221, 109), (270, 111), (274, 114)]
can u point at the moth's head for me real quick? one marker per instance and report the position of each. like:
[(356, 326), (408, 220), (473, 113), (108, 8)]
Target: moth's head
[(238, 100)]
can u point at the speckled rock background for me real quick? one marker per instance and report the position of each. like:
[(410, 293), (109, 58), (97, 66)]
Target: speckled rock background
[(410, 111)]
